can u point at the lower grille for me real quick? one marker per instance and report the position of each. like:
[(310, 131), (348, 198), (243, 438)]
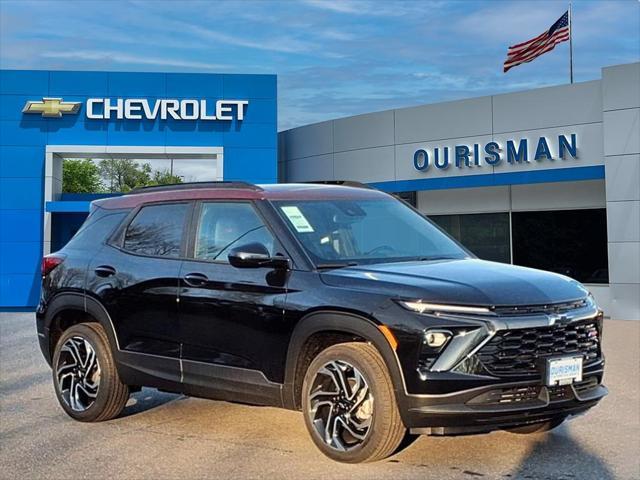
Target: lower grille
[(518, 352), (586, 385), (559, 392), (508, 396), (532, 394)]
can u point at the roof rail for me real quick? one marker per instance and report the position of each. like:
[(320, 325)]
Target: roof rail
[(193, 185), (344, 183)]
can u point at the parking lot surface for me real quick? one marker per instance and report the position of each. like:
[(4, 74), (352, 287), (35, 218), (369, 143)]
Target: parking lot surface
[(169, 436)]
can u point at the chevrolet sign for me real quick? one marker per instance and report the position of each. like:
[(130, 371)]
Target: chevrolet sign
[(51, 107), (141, 109)]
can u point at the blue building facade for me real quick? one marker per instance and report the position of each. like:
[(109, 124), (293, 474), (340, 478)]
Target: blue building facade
[(172, 112)]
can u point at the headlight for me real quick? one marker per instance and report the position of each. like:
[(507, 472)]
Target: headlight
[(422, 307)]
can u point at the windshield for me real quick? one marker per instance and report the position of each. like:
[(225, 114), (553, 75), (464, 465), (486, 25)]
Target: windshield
[(363, 231)]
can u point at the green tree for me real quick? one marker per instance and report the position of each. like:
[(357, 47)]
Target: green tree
[(164, 177), (80, 176), (123, 175)]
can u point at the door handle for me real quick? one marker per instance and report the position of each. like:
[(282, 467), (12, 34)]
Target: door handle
[(195, 279), (105, 271)]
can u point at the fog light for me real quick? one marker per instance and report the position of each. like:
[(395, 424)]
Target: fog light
[(436, 338)]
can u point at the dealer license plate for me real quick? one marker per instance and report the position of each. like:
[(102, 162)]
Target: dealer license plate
[(564, 370)]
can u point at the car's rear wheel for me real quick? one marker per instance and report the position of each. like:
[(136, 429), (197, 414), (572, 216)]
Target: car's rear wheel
[(537, 427), (349, 404), (86, 381)]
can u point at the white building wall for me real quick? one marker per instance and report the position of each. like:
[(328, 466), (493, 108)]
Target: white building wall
[(621, 124), (604, 114)]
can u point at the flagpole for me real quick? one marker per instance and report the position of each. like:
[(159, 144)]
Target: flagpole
[(570, 44)]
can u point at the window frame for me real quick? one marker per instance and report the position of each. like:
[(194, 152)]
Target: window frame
[(118, 237), (195, 225)]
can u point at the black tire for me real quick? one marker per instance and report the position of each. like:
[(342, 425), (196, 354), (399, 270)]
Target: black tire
[(536, 427), (385, 431), (111, 394)]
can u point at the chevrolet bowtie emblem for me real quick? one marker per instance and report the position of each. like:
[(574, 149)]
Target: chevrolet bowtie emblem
[(51, 107)]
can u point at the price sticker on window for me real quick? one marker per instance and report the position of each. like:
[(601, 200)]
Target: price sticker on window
[(297, 219)]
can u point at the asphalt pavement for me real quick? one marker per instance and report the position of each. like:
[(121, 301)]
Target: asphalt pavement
[(164, 436)]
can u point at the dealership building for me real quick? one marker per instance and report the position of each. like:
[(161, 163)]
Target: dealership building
[(547, 178)]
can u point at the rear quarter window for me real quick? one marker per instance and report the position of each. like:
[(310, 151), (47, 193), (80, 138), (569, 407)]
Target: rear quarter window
[(97, 228)]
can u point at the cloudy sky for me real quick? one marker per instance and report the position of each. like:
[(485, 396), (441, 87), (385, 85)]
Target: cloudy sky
[(333, 57)]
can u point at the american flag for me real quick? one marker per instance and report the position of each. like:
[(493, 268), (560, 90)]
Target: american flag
[(527, 51)]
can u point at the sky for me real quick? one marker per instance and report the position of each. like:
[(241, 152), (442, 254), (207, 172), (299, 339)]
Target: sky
[(333, 58)]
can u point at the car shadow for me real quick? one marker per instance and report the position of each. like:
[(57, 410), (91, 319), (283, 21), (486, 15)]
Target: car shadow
[(557, 456), (147, 399)]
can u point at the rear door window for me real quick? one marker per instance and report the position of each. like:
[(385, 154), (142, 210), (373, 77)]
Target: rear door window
[(157, 230)]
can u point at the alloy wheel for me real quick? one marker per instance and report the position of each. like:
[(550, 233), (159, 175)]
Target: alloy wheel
[(78, 373), (340, 405)]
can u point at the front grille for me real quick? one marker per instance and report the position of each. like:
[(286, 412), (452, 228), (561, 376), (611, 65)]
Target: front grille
[(508, 396), (518, 352)]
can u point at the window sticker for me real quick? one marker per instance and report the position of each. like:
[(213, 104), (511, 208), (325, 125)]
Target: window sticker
[(297, 219)]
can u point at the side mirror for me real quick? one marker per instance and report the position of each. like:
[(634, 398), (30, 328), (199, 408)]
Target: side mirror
[(256, 255)]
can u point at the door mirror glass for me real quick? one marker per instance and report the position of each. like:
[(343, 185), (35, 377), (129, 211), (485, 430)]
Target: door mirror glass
[(255, 255)]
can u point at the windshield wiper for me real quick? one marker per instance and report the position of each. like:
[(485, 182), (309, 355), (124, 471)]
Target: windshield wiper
[(329, 266)]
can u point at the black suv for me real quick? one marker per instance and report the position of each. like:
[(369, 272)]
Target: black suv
[(337, 300)]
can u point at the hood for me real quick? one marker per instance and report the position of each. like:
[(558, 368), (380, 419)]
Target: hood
[(460, 282)]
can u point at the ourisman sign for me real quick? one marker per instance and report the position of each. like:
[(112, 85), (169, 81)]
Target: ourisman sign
[(493, 153)]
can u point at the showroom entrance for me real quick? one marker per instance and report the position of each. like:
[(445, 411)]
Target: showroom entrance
[(65, 211)]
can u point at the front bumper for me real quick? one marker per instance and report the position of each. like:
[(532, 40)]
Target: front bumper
[(498, 406)]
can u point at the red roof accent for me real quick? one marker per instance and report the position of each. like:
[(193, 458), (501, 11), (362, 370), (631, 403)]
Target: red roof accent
[(282, 191)]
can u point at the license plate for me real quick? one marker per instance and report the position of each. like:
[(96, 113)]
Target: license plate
[(564, 370)]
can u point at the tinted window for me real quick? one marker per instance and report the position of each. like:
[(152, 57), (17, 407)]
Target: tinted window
[(157, 230), (97, 227), (571, 242), (223, 226), (485, 234)]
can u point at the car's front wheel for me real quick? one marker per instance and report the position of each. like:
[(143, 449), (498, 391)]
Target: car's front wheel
[(86, 381), (349, 404)]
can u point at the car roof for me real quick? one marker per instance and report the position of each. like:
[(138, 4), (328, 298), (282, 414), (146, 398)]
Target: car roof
[(239, 191)]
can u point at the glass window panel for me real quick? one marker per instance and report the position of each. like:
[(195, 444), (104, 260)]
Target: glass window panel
[(571, 242), (364, 231), (195, 170), (97, 228), (223, 226), (157, 230), (484, 234)]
